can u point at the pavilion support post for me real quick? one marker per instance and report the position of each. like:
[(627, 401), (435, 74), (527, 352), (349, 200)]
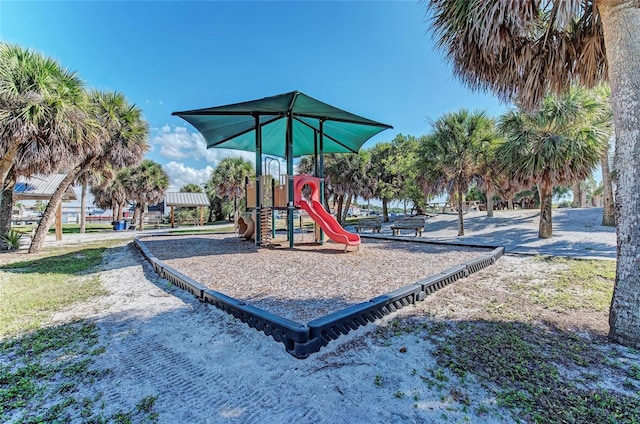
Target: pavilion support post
[(316, 171), (258, 232), (321, 173), (273, 207), (172, 216), (201, 215), (59, 222), (289, 154)]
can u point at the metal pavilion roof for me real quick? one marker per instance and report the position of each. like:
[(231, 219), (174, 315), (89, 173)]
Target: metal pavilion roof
[(41, 187), (186, 199)]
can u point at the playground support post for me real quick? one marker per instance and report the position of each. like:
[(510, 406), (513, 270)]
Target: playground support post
[(289, 153), (258, 175), (321, 175)]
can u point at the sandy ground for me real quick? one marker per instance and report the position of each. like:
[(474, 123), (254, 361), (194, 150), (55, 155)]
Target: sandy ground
[(207, 367)]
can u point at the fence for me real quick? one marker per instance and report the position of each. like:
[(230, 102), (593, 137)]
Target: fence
[(301, 340)]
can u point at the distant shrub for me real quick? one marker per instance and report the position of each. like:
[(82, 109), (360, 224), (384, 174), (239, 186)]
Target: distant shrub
[(12, 239)]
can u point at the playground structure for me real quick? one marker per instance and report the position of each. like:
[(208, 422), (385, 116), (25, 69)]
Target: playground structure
[(272, 194), (246, 224), (316, 211), (276, 199), (287, 126)]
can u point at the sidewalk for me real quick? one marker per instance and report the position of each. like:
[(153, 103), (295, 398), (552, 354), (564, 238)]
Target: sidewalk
[(577, 233), (72, 239)]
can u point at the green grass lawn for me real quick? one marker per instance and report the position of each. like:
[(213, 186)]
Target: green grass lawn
[(66, 228), (49, 363), (523, 362), (32, 289)]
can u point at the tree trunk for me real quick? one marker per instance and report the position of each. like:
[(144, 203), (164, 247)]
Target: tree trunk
[(385, 210), (621, 24), (49, 214), (583, 197), (510, 203), (339, 209), (6, 206), (6, 164), (141, 217), (460, 215), (545, 190), (489, 194), (136, 211), (83, 207), (608, 210), (210, 218), (235, 209), (347, 205), (577, 196)]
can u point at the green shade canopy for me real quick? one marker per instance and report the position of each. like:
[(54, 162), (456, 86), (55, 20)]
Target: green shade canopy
[(234, 126)]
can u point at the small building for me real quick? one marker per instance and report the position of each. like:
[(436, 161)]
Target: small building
[(186, 200), (42, 187)]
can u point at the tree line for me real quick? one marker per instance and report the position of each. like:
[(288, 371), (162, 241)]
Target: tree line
[(559, 144), (51, 123)]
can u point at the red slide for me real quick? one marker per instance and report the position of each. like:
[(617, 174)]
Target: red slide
[(328, 223)]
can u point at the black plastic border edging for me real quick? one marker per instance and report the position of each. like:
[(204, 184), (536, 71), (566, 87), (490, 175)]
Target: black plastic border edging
[(301, 340)]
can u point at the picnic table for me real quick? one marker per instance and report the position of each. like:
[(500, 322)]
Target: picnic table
[(415, 223), (374, 223)]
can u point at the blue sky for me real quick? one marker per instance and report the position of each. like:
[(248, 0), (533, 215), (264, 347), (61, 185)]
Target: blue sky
[(375, 59)]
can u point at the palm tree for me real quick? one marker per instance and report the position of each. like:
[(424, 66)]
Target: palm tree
[(519, 50), (508, 186), (42, 109), (146, 185), (215, 202), (348, 176), (84, 181), (556, 145), (487, 170), (191, 188), (602, 93), (404, 166), (449, 158), (121, 142), (109, 191), (229, 177), (608, 212), (383, 156), (6, 207), (43, 118)]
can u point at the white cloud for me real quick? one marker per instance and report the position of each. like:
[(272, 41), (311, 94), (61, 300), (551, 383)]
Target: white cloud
[(179, 143), (180, 175)]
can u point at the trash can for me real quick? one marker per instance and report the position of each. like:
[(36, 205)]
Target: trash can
[(118, 225)]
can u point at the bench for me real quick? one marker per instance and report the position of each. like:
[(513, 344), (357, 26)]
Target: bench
[(374, 223), (415, 223), (154, 220)]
